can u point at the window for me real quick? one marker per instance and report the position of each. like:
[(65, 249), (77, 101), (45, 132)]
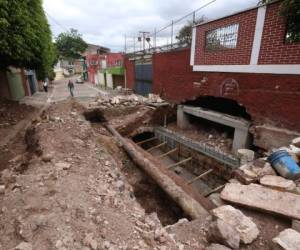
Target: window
[(222, 38)]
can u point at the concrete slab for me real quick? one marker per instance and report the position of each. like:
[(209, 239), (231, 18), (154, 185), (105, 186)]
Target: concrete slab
[(265, 199)]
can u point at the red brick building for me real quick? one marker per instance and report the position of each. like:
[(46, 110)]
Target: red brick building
[(243, 58)]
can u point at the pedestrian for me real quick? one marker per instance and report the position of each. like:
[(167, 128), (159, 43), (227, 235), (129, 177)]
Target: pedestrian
[(45, 85), (71, 87)]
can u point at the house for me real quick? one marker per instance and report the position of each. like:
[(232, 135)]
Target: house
[(112, 72), (106, 70), (93, 49), (240, 65)]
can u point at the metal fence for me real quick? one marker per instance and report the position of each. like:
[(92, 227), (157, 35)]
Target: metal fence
[(222, 38), (166, 37)]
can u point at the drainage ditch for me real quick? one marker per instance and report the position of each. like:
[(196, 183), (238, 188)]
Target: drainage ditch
[(205, 170), (146, 192)]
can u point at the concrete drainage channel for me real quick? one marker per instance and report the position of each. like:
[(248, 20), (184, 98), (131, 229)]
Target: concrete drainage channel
[(145, 190), (170, 175), (203, 168)]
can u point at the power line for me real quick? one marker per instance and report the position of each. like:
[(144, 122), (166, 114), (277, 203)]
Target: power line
[(56, 22)]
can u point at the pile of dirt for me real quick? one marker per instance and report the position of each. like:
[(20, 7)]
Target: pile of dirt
[(75, 195), (11, 113)]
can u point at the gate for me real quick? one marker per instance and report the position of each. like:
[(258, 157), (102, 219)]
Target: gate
[(143, 77), (32, 85)]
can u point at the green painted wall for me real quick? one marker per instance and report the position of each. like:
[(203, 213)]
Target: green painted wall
[(15, 85), (115, 71)]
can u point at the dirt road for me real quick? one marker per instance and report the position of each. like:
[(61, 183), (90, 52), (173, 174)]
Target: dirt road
[(67, 186)]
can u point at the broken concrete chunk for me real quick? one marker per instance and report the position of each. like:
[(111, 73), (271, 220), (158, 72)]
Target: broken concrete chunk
[(252, 172), (296, 142), (216, 247), (296, 225), (277, 182), (224, 233), (24, 246), (244, 225), (263, 198), (288, 239)]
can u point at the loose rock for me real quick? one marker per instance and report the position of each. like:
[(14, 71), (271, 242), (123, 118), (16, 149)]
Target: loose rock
[(244, 225), (288, 239), (224, 233), (277, 182)]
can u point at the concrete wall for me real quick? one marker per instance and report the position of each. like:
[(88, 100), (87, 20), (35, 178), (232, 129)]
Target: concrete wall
[(15, 81), (109, 81)]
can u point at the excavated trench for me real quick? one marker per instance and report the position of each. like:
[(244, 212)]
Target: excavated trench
[(145, 190), (203, 172)]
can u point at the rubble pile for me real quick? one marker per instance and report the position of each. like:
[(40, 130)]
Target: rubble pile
[(131, 100), (270, 185)]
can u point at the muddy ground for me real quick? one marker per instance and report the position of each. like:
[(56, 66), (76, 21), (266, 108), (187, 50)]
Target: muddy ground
[(68, 185)]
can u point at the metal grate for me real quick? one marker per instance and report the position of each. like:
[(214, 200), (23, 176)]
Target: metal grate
[(222, 38)]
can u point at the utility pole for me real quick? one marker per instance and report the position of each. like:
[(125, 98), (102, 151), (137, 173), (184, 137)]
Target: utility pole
[(143, 36), (125, 45), (172, 31), (154, 40)]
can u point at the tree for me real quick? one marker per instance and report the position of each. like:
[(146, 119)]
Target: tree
[(185, 33), (291, 10), (25, 36), (70, 45)]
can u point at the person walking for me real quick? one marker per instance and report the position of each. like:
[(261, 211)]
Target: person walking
[(45, 85), (71, 87)]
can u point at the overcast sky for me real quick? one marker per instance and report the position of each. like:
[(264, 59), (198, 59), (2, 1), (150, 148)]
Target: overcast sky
[(105, 22)]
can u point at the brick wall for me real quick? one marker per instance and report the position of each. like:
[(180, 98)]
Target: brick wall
[(239, 55), (270, 99), (274, 50)]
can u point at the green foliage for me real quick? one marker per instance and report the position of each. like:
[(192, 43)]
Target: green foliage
[(291, 10), (70, 44), (25, 36), (185, 33)]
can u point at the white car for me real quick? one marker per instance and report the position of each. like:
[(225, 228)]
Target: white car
[(79, 80)]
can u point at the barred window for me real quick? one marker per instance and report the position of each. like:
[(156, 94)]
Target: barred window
[(222, 38)]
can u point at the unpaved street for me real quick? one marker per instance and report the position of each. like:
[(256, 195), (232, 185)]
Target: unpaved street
[(68, 187), (67, 183)]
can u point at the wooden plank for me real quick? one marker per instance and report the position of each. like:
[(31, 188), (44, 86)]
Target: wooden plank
[(200, 176), (179, 163), (150, 139), (170, 152), (262, 198), (215, 190), (157, 146)]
